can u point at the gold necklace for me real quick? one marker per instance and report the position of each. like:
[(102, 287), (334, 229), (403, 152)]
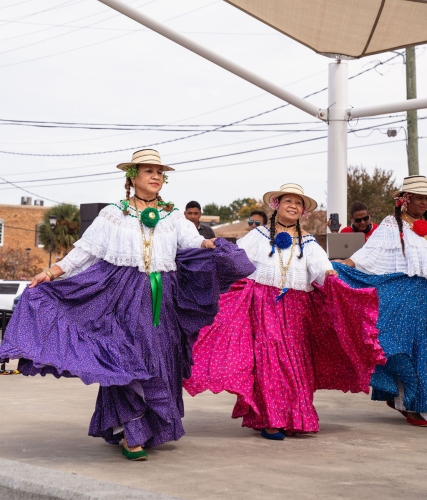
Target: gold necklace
[(411, 224), (147, 244), (284, 269)]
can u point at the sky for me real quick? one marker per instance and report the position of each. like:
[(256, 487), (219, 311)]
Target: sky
[(79, 62)]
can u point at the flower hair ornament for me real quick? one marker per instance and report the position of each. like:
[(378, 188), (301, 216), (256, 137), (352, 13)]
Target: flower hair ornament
[(402, 201), (304, 213), (274, 204), (131, 173)]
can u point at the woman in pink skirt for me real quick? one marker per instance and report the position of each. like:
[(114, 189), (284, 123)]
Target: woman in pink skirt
[(290, 328)]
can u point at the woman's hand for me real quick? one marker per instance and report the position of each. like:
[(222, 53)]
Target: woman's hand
[(208, 243), (331, 272), (51, 274), (39, 278)]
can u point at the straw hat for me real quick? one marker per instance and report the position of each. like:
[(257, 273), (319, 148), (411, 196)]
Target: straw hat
[(290, 188), (415, 184), (145, 157)]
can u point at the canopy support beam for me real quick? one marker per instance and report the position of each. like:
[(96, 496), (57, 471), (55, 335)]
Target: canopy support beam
[(391, 107), (212, 56)]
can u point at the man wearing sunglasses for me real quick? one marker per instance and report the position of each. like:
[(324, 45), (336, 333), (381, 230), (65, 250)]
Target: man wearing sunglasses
[(256, 219), (360, 221)]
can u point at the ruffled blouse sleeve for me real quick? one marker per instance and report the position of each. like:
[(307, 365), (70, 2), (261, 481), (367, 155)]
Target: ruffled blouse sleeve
[(317, 263), (93, 245), (382, 253), (187, 234)]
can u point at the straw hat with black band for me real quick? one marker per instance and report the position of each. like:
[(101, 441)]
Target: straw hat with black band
[(414, 184), (291, 188), (145, 157)]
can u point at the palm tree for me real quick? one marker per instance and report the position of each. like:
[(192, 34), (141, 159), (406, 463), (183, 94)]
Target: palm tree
[(66, 231)]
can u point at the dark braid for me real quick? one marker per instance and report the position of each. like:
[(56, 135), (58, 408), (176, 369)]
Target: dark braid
[(272, 231), (168, 207), (398, 217), (128, 185), (300, 240)]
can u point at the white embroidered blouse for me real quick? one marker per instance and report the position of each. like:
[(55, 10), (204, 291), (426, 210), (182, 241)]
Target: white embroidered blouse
[(116, 238), (382, 253), (301, 272)]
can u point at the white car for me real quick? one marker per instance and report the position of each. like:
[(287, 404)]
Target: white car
[(9, 290)]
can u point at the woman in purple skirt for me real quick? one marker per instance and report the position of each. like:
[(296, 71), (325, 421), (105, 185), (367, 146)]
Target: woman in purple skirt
[(139, 288)]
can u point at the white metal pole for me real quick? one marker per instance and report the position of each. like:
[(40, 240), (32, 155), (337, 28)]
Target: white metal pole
[(217, 59), (337, 140), (391, 107)]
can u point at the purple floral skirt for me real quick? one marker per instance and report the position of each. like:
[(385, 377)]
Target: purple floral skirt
[(98, 326)]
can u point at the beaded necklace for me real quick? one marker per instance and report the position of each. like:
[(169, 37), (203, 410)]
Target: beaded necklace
[(147, 243), (284, 269)]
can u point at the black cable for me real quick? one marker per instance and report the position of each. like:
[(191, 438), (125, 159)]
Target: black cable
[(222, 156), (232, 164)]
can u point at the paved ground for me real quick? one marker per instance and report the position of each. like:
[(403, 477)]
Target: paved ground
[(363, 449)]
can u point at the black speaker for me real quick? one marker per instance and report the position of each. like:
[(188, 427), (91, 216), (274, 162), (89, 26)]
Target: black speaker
[(88, 213)]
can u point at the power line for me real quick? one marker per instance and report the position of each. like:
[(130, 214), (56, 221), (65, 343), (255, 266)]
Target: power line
[(22, 189), (97, 43), (69, 33), (68, 2), (14, 4), (374, 127), (232, 164)]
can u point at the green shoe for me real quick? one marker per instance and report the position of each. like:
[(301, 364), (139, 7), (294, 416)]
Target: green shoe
[(134, 455)]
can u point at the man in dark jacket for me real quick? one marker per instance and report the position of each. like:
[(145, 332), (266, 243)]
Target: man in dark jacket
[(193, 212)]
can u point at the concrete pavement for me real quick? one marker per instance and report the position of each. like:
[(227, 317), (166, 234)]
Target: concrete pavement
[(364, 449)]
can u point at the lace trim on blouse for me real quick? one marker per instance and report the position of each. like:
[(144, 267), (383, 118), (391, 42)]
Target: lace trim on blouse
[(301, 273), (116, 238)]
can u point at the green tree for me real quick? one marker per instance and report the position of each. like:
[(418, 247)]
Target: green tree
[(239, 209), (223, 211), (374, 190), (66, 231)]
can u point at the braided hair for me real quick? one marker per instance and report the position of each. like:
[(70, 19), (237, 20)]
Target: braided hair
[(301, 246), (128, 185), (272, 231), (398, 217), (168, 207)]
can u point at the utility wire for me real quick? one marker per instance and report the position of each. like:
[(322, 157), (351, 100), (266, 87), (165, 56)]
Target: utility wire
[(22, 189), (229, 164), (215, 157)]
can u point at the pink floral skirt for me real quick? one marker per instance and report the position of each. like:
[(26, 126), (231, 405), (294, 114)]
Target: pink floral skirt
[(274, 355)]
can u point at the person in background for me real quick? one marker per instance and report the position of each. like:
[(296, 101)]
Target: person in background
[(193, 212), (360, 221), (256, 219)]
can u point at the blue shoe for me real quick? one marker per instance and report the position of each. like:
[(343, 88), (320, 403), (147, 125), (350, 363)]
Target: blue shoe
[(277, 436)]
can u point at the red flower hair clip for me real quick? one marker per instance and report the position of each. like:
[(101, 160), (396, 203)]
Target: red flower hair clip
[(402, 201)]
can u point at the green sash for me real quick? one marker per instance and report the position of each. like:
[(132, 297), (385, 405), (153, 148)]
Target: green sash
[(156, 294)]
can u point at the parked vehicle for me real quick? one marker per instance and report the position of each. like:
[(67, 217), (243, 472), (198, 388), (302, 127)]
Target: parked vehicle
[(9, 291)]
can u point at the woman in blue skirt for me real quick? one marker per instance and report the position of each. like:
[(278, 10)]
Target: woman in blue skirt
[(139, 288), (394, 261)]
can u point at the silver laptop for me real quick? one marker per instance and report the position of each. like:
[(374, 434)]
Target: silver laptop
[(344, 245)]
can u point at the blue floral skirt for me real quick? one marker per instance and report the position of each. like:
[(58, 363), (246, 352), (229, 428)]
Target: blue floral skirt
[(402, 325)]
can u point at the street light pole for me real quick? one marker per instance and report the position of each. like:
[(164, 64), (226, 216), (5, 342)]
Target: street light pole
[(28, 250), (52, 223)]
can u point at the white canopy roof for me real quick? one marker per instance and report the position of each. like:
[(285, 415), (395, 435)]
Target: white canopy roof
[(352, 28)]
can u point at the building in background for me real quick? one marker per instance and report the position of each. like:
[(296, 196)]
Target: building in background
[(19, 230)]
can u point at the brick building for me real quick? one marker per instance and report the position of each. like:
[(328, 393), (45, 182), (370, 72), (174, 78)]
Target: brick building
[(19, 230)]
